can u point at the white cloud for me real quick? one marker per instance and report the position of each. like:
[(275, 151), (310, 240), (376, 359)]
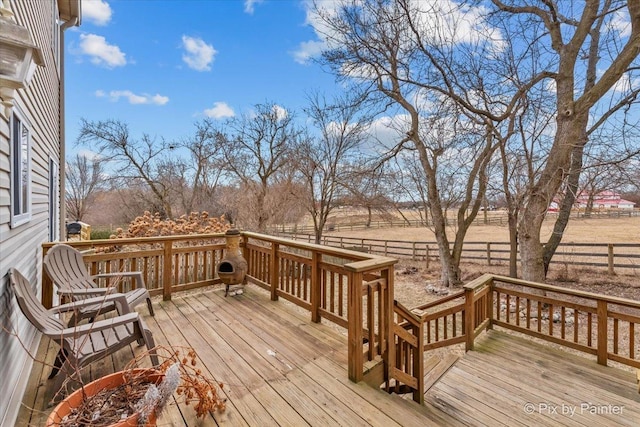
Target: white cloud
[(625, 84), (101, 52), (281, 112), (308, 50), (441, 22), (220, 110), (90, 155), (96, 11), (199, 55), (620, 23), (133, 98), (249, 5)]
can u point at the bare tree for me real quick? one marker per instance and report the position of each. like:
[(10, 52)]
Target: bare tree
[(323, 160), (134, 161), (369, 186), (571, 55), (410, 49), (258, 152), (84, 179), (383, 47), (198, 176)]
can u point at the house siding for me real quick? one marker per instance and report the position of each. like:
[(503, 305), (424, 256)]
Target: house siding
[(20, 247)]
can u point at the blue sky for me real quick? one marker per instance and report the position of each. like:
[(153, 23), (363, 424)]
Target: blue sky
[(162, 65)]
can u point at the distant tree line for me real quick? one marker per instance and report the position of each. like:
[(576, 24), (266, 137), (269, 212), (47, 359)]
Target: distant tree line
[(451, 106)]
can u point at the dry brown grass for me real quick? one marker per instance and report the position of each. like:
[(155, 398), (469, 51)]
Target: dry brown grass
[(579, 230), (411, 288)]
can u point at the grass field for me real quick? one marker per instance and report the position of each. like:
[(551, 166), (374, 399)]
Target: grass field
[(579, 230)]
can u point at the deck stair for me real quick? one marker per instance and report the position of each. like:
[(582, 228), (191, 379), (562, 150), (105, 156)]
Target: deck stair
[(436, 367)]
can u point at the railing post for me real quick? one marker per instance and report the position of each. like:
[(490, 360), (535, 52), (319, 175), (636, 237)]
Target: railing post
[(354, 315), (603, 337), (469, 315), (418, 361), (490, 306), (610, 258), (388, 352), (316, 283), (274, 267), (167, 261)]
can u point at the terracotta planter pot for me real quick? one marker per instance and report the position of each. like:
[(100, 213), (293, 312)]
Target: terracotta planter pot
[(106, 382)]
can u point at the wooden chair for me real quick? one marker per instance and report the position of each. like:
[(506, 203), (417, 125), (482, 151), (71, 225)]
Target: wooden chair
[(82, 344), (67, 270)]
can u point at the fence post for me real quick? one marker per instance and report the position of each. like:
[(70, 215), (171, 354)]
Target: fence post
[(167, 261), (603, 338), (469, 315), (274, 267), (488, 253), (413, 251), (610, 258), (316, 283), (427, 256)]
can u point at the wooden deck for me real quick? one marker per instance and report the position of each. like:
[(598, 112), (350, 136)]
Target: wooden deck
[(281, 369), (509, 380)]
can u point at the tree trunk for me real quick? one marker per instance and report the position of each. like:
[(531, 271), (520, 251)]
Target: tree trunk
[(512, 218), (569, 130), (450, 269), (564, 213), (262, 216), (589, 208)]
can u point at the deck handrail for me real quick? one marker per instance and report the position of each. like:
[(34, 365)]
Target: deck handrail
[(349, 288), (356, 291), (601, 325)]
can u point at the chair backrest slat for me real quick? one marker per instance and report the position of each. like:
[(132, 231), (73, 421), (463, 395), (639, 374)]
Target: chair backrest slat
[(65, 266), (31, 307)]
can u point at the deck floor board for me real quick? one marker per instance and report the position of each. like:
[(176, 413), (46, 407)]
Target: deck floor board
[(280, 369)]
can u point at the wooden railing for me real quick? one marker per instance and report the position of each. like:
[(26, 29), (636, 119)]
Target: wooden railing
[(595, 324), (355, 290), (406, 375), (168, 264), (351, 289)]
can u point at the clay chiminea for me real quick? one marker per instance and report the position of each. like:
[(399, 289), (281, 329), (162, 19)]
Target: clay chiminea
[(232, 269)]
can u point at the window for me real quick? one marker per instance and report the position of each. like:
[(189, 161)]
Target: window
[(53, 200), (20, 171)]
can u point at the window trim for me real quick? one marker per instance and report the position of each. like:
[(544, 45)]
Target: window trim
[(17, 219)]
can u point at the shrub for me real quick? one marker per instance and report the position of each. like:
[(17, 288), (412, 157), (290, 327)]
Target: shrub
[(100, 234), (148, 225)]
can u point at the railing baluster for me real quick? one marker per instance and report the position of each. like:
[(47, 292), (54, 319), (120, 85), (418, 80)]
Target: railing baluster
[(603, 341)]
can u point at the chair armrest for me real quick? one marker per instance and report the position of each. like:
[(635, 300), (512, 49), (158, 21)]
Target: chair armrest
[(135, 275), (87, 291), (78, 331), (120, 300)]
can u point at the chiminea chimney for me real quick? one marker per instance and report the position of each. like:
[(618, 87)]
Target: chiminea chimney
[(232, 269)]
